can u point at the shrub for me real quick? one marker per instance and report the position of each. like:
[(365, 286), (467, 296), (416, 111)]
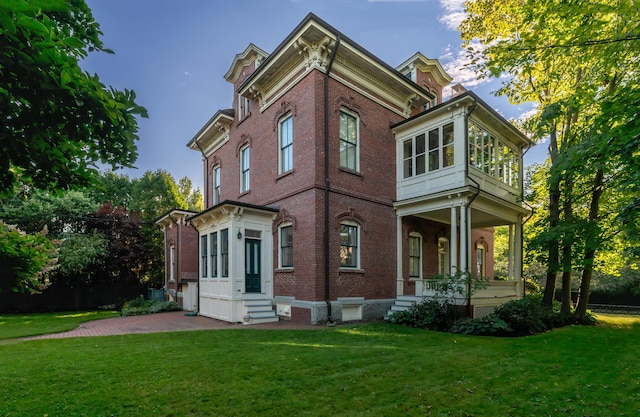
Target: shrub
[(489, 325), (139, 306), (428, 314), (525, 316)]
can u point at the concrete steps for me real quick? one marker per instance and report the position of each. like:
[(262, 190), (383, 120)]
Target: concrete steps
[(403, 303), (259, 311)]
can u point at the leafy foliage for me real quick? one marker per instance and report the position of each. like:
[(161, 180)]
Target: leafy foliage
[(58, 122), (428, 314), (140, 307), (24, 259), (489, 325)]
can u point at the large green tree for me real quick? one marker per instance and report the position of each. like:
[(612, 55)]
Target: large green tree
[(58, 121), (572, 58)]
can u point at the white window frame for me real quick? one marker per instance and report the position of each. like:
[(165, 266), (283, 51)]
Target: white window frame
[(204, 256), (414, 157), (172, 263), (357, 246), (281, 246), (213, 253), (356, 156), (245, 169), (285, 149)]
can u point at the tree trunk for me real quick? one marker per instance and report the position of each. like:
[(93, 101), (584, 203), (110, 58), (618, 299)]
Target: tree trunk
[(592, 242), (553, 249), (567, 245)]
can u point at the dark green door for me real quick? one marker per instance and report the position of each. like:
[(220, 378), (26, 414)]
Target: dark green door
[(252, 265)]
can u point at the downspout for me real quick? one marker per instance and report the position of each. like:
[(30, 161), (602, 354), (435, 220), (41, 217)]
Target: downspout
[(327, 183), (198, 273), (206, 174), (468, 205)]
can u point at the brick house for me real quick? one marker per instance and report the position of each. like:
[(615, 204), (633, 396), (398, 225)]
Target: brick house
[(338, 186)]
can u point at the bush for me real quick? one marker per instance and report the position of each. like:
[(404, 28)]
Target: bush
[(525, 316), (428, 314), (489, 325), (139, 306)]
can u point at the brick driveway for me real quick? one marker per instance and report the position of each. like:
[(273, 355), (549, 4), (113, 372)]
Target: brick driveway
[(161, 322)]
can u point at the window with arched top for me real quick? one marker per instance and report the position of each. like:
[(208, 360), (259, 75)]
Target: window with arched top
[(286, 245), (349, 244)]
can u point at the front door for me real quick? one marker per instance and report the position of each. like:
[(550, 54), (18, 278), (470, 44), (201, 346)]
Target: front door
[(252, 265)]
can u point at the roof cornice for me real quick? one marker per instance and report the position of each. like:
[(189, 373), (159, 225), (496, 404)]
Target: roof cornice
[(250, 54), (214, 133)]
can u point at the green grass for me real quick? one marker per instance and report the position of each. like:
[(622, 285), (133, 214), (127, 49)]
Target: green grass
[(366, 370), (21, 325)]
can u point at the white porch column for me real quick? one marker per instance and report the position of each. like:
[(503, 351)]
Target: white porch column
[(453, 244), (511, 257), (464, 239), (517, 264), (399, 280)]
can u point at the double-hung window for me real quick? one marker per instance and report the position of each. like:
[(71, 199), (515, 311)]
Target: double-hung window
[(285, 133), (224, 252), (428, 151), (204, 255), (244, 169), (481, 253), (415, 255), (244, 107), (286, 246), (414, 154), (214, 254), (349, 141), (349, 241), (215, 176)]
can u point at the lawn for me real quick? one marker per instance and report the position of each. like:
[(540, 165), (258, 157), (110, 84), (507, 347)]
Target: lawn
[(20, 325), (365, 370)]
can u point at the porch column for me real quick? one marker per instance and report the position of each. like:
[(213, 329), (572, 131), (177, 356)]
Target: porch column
[(517, 264), (399, 280), (511, 257), (464, 240), (453, 246)]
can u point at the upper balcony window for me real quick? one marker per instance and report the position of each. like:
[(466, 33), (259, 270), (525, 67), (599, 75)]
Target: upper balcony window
[(428, 152), (492, 156)]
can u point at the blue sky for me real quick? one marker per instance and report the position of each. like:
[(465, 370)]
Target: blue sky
[(174, 55)]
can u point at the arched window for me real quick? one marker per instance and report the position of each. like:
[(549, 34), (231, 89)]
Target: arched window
[(286, 245), (349, 244)]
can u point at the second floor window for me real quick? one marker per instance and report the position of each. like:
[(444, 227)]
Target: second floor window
[(349, 141), (285, 132), (244, 169), (492, 156), (414, 156), (441, 147), (215, 176)]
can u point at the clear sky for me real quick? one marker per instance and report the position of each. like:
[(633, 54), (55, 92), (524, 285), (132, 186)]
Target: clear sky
[(174, 54)]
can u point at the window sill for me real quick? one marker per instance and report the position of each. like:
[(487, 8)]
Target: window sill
[(284, 174), (284, 269), (242, 194), (350, 171), (344, 270)]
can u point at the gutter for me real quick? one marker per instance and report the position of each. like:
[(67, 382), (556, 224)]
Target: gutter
[(467, 253), (327, 183)]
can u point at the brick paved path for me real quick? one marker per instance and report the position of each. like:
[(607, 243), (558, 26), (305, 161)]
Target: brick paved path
[(161, 322)]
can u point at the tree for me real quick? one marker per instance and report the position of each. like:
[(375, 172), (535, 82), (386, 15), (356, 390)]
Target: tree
[(155, 193), (58, 122), (550, 54), (193, 197)]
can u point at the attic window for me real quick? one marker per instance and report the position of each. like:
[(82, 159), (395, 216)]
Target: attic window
[(244, 107), (411, 75)]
